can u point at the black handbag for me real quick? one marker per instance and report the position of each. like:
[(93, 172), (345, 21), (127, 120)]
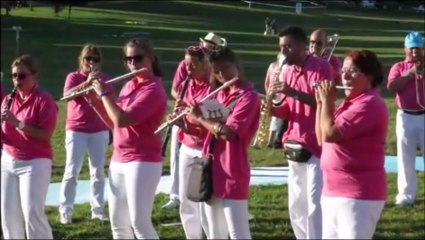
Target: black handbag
[(199, 188), (295, 151)]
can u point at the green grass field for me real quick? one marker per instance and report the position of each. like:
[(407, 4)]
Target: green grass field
[(174, 25)]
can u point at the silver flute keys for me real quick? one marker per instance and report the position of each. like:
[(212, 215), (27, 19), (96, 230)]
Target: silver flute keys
[(175, 119), (343, 87)]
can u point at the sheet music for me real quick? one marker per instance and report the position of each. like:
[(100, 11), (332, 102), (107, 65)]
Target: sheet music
[(213, 109)]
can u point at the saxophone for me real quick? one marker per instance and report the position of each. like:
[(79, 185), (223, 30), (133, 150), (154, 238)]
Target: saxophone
[(265, 109)]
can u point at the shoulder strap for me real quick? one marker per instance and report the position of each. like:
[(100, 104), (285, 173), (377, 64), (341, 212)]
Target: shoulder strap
[(230, 107), (233, 102)]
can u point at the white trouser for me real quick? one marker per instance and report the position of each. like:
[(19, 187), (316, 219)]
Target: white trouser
[(304, 191), (24, 187), (132, 187), (192, 214), (346, 218), (174, 164), (76, 144), (227, 216), (410, 131)]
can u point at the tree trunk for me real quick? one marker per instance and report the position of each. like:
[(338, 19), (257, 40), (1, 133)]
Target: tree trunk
[(69, 11)]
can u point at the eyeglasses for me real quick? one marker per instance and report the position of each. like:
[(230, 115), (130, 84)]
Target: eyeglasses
[(316, 42), (137, 58), (20, 75), (351, 71), (92, 59)]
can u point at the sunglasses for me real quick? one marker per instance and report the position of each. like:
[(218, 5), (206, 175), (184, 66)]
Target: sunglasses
[(20, 75), (92, 59), (196, 49), (137, 58), (316, 42)]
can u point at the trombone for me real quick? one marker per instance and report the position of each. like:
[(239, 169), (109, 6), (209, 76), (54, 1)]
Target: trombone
[(331, 43), (119, 78)]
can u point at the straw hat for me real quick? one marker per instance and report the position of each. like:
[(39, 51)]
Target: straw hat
[(212, 38)]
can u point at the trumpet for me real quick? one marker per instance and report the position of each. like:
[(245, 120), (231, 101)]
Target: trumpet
[(328, 50), (418, 88), (172, 121), (119, 78)]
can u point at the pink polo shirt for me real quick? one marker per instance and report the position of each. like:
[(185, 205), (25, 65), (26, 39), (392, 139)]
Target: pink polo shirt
[(335, 63), (353, 167), (406, 98), (231, 171), (1, 92), (195, 92), (180, 75), (336, 67), (80, 116), (38, 110), (146, 102), (1, 107), (300, 116)]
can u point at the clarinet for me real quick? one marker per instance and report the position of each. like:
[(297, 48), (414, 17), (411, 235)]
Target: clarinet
[(169, 129), (11, 97)]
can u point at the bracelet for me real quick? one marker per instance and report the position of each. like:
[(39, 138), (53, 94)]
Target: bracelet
[(103, 94), (218, 127)]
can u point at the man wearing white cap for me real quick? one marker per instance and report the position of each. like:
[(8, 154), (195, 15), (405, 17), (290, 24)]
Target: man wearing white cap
[(406, 81), (209, 42)]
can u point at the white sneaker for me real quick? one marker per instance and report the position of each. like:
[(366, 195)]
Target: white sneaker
[(403, 202), (101, 217), (65, 218), (171, 204)]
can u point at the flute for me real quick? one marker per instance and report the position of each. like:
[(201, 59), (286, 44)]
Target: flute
[(343, 87), (166, 124), (119, 78)]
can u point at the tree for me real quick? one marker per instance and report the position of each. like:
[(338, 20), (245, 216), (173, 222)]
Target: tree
[(59, 5)]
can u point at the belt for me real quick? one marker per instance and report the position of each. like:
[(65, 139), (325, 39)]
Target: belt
[(419, 112)]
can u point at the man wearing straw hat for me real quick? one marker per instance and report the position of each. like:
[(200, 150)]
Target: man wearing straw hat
[(209, 42), (405, 80)]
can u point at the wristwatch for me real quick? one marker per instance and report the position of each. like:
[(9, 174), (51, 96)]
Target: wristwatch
[(20, 125)]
